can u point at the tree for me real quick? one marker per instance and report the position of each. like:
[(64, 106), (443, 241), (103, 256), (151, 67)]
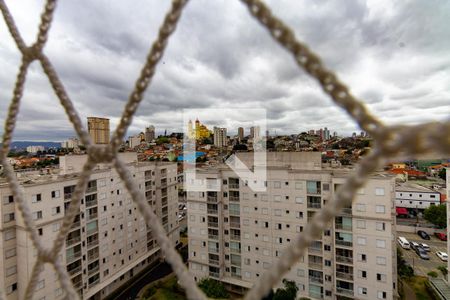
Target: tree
[(442, 173), (213, 288), (437, 215), (289, 292)]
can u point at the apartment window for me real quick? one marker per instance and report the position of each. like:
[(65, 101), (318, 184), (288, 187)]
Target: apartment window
[(266, 252), (327, 247), (380, 209), (299, 200), (326, 187), (11, 271), (277, 212), (381, 226), (381, 244), (8, 199), (36, 198), (277, 184), (40, 285), (362, 241), (379, 191), (360, 191), (10, 253), (266, 224), (327, 263), (362, 274), (265, 211), (381, 260), (298, 186), (264, 197), (56, 227), (381, 295), (8, 217), (246, 222), (55, 194), (37, 215), (299, 214), (300, 273), (361, 224), (362, 257), (58, 292), (299, 228), (248, 274), (40, 231), (192, 218), (362, 290), (360, 207), (277, 198), (381, 277), (56, 210), (12, 288)]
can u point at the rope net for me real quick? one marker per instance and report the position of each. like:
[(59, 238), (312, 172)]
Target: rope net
[(389, 142)]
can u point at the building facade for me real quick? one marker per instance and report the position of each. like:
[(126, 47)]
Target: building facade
[(99, 130), (150, 134), (241, 134), (235, 234), (35, 149), (415, 197), (109, 241), (220, 137), (70, 143)]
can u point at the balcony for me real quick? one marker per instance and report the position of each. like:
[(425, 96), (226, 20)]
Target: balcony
[(235, 212), (73, 241), (344, 291), (213, 224), (73, 257), (214, 274), (345, 276), (96, 281), (315, 265), (342, 226), (93, 255), (234, 186), (213, 211), (344, 259), (67, 196), (344, 243), (314, 250), (214, 262), (236, 275), (213, 250), (92, 216), (93, 270), (77, 285), (213, 236), (346, 211), (211, 199), (235, 224), (92, 243), (91, 189), (75, 224), (314, 279), (91, 203), (74, 271), (314, 205), (235, 237), (235, 250), (234, 198), (91, 231)]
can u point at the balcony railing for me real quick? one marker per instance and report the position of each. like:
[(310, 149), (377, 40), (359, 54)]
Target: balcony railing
[(213, 211), (91, 231), (93, 270), (235, 224), (234, 198), (92, 243), (235, 237), (314, 279), (214, 274), (343, 226), (233, 186), (75, 224), (345, 211), (315, 250), (91, 203), (92, 216), (234, 275), (74, 270), (213, 224), (344, 243), (94, 282), (346, 276), (213, 262), (315, 265), (314, 205), (316, 295), (213, 236), (235, 212), (73, 257), (235, 250), (78, 284), (344, 291), (91, 189), (344, 259), (67, 196), (212, 199), (92, 256), (213, 250), (73, 240)]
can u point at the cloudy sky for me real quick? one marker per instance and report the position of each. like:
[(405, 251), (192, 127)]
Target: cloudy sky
[(393, 54)]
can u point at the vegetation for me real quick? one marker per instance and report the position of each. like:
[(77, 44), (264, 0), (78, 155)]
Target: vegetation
[(442, 173), (421, 288), (213, 288), (432, 274), (165, 289), (403, 269), (288, 292), (443, 270), (437, 215)]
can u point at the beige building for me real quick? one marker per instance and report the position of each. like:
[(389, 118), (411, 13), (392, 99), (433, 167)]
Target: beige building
[(99, 130), (109, 241), (220, 137), (235, 234)]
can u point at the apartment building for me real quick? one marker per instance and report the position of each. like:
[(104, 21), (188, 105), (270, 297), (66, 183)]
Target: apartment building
[(414, 196), (98, 130), (236, 234), (109, 241)]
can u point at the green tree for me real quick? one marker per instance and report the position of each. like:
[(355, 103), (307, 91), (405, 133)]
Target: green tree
[(443, 269), (437, 215), (213, 288), (289, 292), (442, 173), (432, 274)]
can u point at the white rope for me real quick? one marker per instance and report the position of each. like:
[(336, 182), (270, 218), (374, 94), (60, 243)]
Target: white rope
[(390, 142)]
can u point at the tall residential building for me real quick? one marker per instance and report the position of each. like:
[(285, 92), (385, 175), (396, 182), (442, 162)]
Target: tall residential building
[(109, 241), (255, 132), (236, 234), (134, 141), (240, 134), (70, 143), (150, 133), (35, 149), (326, 134), (98, 130), (220, 137)]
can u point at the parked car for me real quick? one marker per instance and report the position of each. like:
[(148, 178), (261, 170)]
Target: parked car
[(425, 247), (441, 236), (423, 234), (442, 255), (414, 245), (422, 253)]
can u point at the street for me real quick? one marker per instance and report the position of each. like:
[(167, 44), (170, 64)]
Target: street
[(421, 266)]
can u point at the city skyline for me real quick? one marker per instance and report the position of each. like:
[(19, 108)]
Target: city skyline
[(241, 67)]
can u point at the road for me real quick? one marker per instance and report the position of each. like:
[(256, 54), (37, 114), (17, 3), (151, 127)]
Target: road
[(161, 270), (421, 266)]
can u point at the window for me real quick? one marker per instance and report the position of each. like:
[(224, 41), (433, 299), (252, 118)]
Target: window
[(10, 289), (299, 214), (11, 271), (381, 244), (37, 215), (299, 228), (277, 212), (56, 227), (300, 273), (55, 194), (56, 210), (299, 200), (10, 234), (8, 217), (36, 198), (327, 263), (381, 260), (361, 224), (362, 257), (277, 198), (40, 231), (265, 211), (381, 277), (326, 187), (327, 247), (380, 209), (361, 207), (381, 295), (362, 290), (40, 284), (362, 241), (379, 191), (298, 186), (58, 292), (362, 274), (277, 184), (8, 199), (10, 253), (381, 226)]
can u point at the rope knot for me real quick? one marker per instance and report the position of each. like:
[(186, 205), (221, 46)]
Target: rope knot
[(31, 53), (100, 153)]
